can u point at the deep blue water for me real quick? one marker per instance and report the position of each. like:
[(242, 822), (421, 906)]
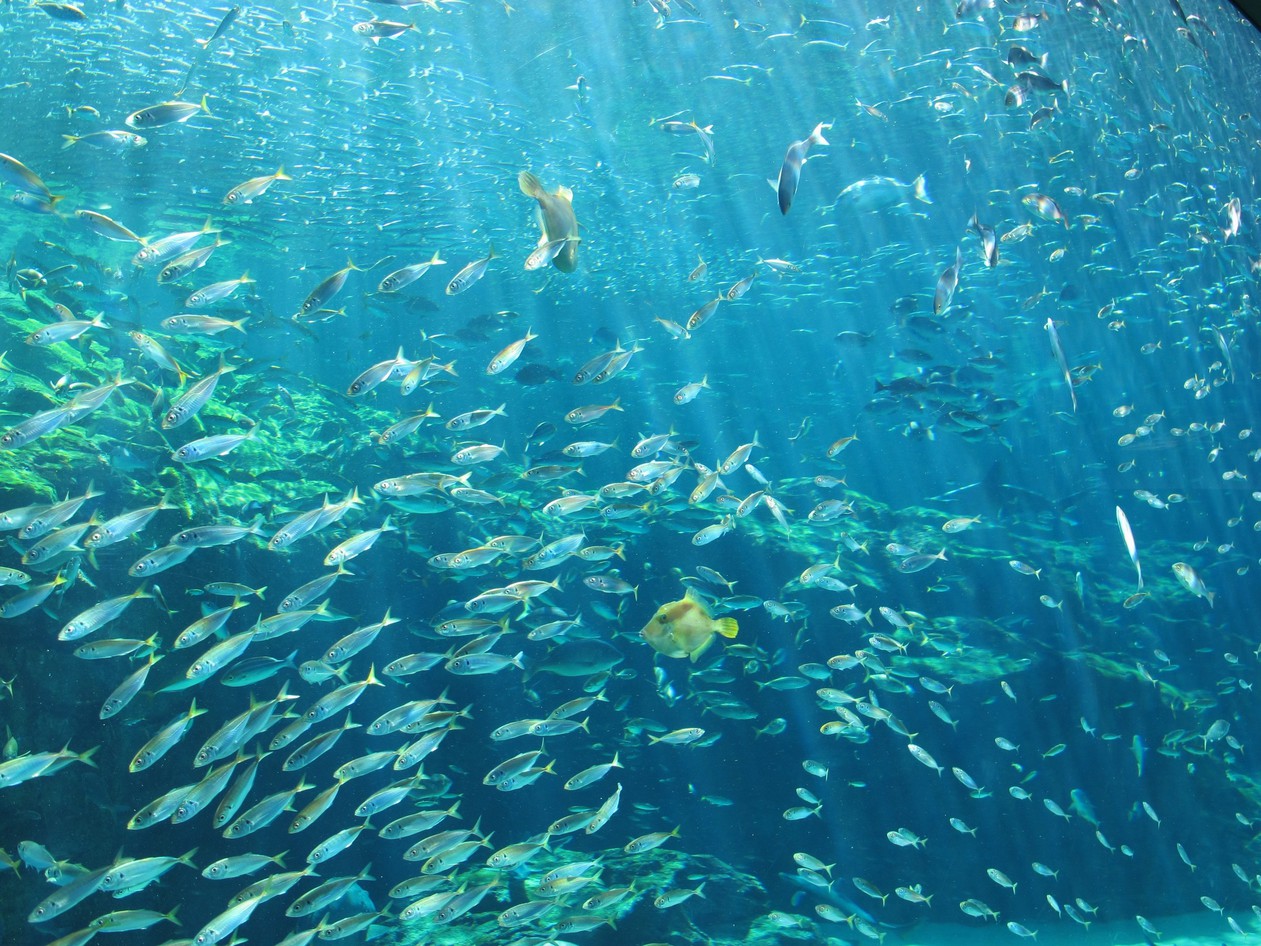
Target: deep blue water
[(1108, 152)]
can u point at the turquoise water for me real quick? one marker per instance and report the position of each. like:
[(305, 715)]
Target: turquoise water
[(917, 347)]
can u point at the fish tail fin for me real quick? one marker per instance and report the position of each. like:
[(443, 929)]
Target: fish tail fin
[(69, 141), (727, 627), (921, 190), (530, 185), (817, 135), (204, 107), (86, 757)]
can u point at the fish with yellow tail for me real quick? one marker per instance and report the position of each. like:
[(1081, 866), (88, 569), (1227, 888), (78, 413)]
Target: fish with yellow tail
[(556, 220), (684, 628)]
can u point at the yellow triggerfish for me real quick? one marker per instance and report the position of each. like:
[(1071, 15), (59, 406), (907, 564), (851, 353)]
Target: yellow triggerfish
[(684, 628)]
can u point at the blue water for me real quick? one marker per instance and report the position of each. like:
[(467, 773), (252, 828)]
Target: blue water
[(1110, 163)]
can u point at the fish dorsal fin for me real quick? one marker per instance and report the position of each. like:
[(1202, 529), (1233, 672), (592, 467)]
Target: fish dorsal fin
[(563, 191)]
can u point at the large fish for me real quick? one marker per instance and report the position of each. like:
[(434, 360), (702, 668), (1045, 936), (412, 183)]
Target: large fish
[(790, 170), (684, 628), (556, 220), (883, 193), (577, 658)]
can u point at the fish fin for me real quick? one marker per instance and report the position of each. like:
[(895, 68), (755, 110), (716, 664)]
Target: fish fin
[(565, 192), (727, 627), (530, 185)]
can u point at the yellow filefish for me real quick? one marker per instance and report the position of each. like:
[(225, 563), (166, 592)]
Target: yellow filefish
[(684, 628), (556, 220)]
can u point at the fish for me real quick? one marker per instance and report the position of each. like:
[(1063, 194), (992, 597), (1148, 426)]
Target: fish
[(114, 140), (247, 191), (470, 274), (327, 288), (204, 325), (873, 194), (17, 174), (166, 113), (1123, 523), (404, 277), (947, 284), (377, 30), (221, 30), (65, 331), (509, 613), (111, 229), (794, 160), (186, 262), (509, 355), (556, 220), (575, 658), (1189, 579), (185, 407), (216, 445), (1058, 350), (174, 244), (989, 240), (684, 628), (1045, 207), (209, 295)]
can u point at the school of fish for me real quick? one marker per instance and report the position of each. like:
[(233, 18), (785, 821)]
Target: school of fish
[(474, 605)]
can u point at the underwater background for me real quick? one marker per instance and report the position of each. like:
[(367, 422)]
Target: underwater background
[(816, 502)]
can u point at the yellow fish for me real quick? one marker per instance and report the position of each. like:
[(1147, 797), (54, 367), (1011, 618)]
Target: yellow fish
[(556, 220), (684, 628)]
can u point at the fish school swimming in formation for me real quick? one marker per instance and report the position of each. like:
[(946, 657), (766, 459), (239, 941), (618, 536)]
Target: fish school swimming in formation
[(452, 453)]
